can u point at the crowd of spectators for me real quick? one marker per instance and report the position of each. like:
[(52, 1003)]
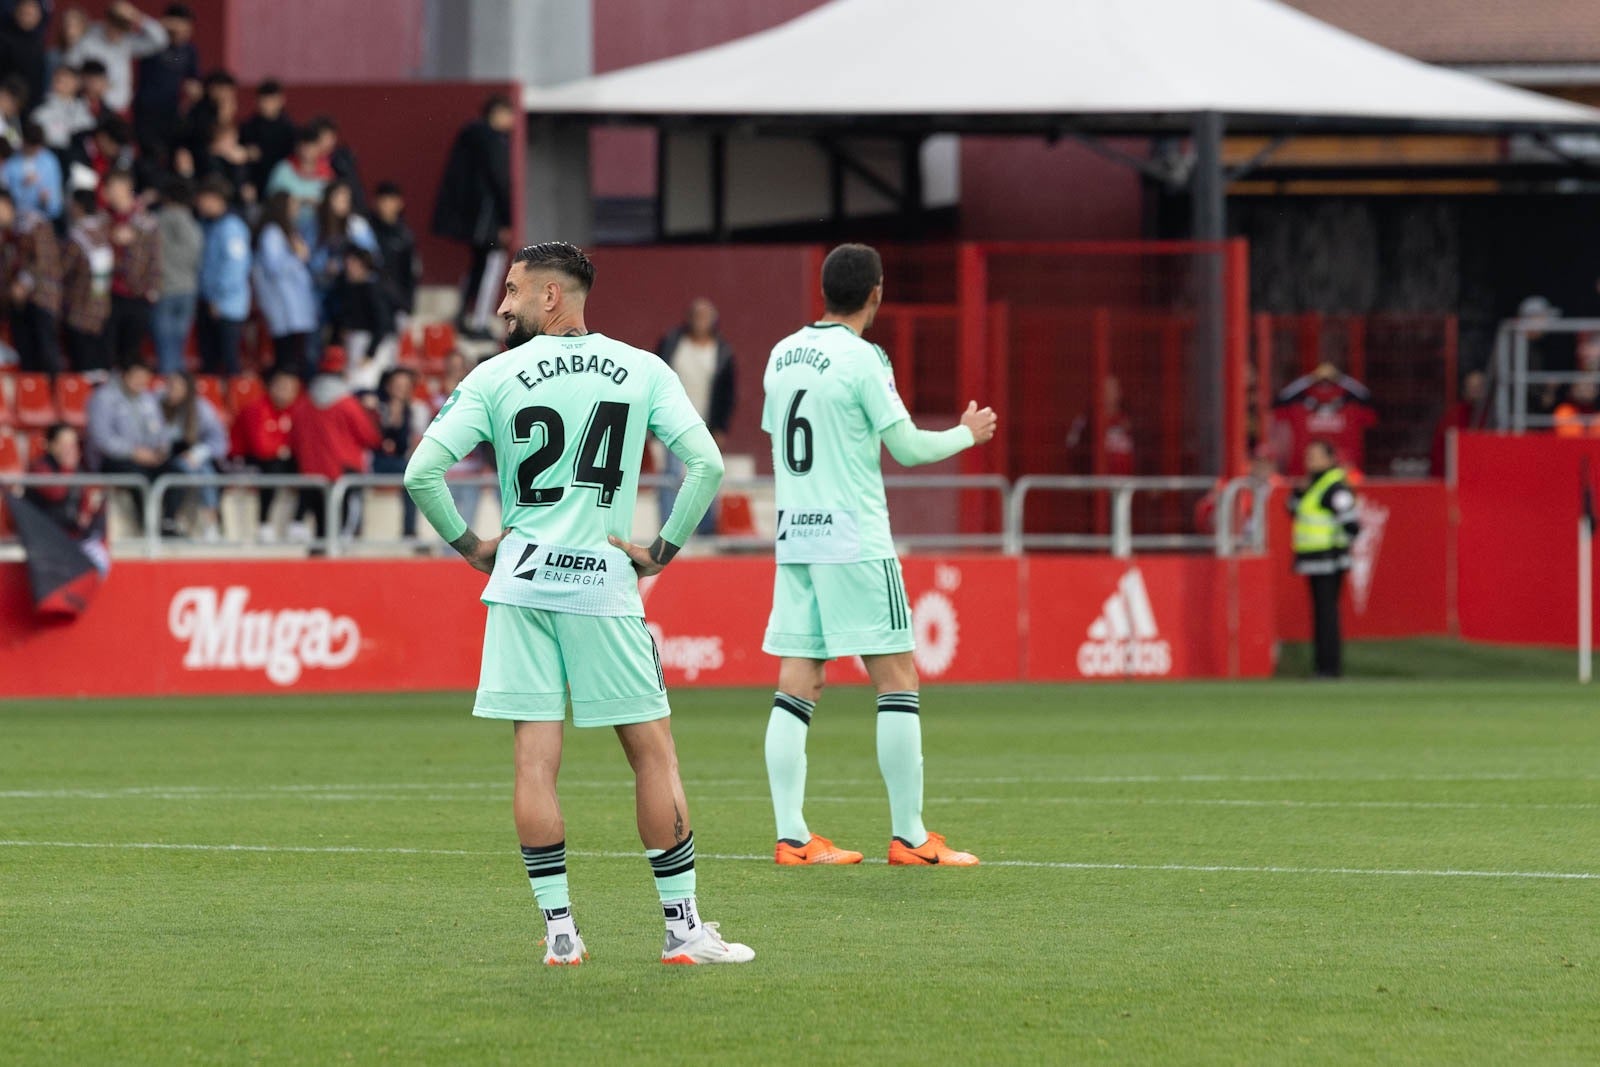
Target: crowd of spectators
[(146, 222)]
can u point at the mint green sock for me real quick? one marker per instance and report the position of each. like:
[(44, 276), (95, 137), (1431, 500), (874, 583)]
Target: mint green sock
[(547, 873), (786, 764), (900, 761), (674, 869)]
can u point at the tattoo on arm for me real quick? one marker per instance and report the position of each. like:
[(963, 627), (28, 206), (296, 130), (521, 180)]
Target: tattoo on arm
[(466, 544), (662, 551), (677, 822)]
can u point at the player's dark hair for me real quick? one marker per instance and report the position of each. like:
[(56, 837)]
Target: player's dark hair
[(559, 256), (849, 275)]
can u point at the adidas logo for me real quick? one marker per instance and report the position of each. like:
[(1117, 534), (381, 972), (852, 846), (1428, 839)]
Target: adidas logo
[(1125, 639)]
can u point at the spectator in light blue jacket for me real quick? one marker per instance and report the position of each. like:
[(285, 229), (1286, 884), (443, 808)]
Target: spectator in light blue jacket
[(33, 176), (225, 260), (283, 285), (338, 230)]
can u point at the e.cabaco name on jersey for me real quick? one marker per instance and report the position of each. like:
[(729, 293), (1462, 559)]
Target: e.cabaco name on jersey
[(576, 364), (804, 357)]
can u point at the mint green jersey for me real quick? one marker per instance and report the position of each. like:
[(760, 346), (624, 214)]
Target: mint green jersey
[(829, 398), (567, 417)]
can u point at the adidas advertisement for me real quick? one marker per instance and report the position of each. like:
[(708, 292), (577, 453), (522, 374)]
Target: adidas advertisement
[(1124, 639)]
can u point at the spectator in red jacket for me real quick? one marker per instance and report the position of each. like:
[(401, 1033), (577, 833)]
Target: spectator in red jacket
[(261, 436), (333, 434)]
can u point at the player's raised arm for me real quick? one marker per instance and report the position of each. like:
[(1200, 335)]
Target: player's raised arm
[(913, 447)]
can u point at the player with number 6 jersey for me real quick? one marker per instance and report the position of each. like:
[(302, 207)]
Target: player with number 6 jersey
[(831, 407), (567, 412)]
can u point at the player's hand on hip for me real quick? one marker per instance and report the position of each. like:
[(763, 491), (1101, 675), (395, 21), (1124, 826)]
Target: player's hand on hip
[(643, 562), (481, 556), (981, 421)]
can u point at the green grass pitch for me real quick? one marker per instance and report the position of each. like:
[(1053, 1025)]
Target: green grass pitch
[(1275, 873)]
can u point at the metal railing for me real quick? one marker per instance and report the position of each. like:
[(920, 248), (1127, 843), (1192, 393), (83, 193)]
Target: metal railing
[(1514, 377), (1121, 540)]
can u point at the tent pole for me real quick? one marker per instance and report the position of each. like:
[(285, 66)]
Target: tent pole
[(1208, 207)]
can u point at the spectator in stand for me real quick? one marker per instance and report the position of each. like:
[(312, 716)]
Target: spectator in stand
[(94, 83), (465, 490), (179, 237), (304, 176), (196, 441), (70, 28), (86, 268), (107, 148), (283, 285), (261, 436), (474, 208), (224, 278), (136, 276), (1467, 413), (63, 116), (402, 421), (124, 35), (703, 361), (337, 229), (364, 321), (399, 267), (333, 434), (224, 157), (1116, 455), (33, 175), (168, 80), (32, 284), (215, 111), (127, 434), (268, 135), (339, 160), (79, 510), (13, 105), (22, 46)]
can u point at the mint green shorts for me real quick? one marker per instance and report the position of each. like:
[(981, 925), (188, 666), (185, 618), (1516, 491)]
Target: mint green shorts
[(533, 659), (827, 610)]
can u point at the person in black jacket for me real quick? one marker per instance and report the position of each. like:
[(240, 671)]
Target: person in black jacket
[(165, 79), (703, 361), (268, 135), (22, 48), (397, 247), (474, 207)]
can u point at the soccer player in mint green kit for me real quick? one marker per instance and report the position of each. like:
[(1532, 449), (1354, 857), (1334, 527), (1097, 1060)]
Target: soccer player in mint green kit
[(567, 411), (831, 407)]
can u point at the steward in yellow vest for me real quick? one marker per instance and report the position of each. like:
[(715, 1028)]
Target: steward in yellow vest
[(1325, 525)]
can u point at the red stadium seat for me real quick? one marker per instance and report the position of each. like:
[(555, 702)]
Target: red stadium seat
[(438, 339), (13, 458), (734, 518), (425, 389), (72, 398), (408, 357), (36, 403), (242, 390)]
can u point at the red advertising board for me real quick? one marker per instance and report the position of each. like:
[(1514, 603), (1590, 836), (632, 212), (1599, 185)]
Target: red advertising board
[(1519, 500), (160, 627), (1093, 618), (1399, 581)]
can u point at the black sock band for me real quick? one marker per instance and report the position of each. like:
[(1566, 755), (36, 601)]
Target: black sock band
[(906, 701), (675, 860), (542, 861), (796, 706)]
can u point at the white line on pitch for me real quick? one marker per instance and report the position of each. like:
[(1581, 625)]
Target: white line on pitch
[(749, 858)]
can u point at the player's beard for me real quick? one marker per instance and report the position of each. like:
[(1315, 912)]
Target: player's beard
[(518, 333)]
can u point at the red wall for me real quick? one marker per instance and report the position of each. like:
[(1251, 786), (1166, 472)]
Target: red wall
[(1518, 537), (403, 132), (1021, 189), (763, 292)]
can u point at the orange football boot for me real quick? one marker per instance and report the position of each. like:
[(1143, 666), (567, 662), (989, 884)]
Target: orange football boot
[(933, 853), (819, 850)]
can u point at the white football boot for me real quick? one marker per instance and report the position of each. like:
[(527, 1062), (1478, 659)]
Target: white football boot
[(706, 946), (564, 950)]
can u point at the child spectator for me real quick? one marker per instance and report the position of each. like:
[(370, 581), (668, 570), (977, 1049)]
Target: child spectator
[(125, 34), (261, 435), (22, 45), (365, 319), (333, 434), (283, 284), (33, 175), (79, 510), (180, 239), (86, 284), (399, 267), (302, 175), (62, 116), (224, 278), (402, 421), (269, 134), (31, 277), (337, 230), (195, 440), (136, 276), (166, 77)]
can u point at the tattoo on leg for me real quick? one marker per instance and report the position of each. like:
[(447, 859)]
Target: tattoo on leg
[(677, 822)]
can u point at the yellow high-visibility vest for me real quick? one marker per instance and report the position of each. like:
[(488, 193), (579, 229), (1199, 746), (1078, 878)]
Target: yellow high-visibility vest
[(1316, 529)]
